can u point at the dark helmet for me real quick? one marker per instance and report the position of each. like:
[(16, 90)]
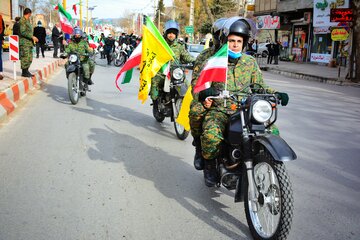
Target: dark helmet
[(237, 26), (171, 25), (216, 30)]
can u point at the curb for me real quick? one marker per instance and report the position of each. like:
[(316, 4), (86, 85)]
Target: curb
[(19, 90), (333, 81)]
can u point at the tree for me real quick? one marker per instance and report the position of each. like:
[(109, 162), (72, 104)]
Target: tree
[(354, 61), (160, 9)]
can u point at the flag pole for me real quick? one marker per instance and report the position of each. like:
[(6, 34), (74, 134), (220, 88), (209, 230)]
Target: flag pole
[(225, 92)]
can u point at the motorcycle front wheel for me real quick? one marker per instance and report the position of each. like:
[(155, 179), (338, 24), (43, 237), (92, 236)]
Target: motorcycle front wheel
[(181, 133), (120, 61), (73, 88), (270, 215), (158, 115)]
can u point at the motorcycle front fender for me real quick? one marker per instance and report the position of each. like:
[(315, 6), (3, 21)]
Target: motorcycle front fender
[(70, 68), (276, 146)]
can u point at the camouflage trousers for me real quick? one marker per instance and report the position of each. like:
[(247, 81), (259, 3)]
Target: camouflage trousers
[(196, 117), (26, 56), (157, 83)]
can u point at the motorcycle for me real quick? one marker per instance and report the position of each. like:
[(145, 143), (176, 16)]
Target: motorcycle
[(170, 98), (251, 162), (74, 73), (120, 54)]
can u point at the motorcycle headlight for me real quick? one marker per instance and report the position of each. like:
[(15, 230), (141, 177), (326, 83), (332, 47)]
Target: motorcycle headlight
[(73, 58), (178, 74), (262, 111)]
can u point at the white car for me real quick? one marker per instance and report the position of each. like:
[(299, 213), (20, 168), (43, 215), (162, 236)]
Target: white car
[(263, 49), (195, 49)]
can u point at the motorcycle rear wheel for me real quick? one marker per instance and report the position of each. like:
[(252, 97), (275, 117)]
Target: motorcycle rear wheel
[(181, 133), (73, 88), (274, 214)]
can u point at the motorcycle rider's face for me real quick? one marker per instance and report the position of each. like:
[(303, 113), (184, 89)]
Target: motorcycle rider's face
[(171, 36), (235, 43)]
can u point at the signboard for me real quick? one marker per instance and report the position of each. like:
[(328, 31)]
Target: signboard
[(341, 15), (268, 22), (14, 47), (321, 30), (189, 29), (318, 57), (339, 34), (322, 11)]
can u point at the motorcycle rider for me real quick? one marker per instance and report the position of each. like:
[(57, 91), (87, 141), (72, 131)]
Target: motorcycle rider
[(242, 70), (171, 32), (80, 46), (109, 48), (197, 110)]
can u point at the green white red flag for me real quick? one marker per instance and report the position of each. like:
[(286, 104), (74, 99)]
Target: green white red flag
[(65, 20), (125, 73), (92, 43), (215, 70)]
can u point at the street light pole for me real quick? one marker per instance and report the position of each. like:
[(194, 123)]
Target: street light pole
[(191, 19), (64, 4), (87, 15), (80, 14)]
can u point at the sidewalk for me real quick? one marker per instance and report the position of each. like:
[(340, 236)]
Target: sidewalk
[(307, 71), (11, 91)]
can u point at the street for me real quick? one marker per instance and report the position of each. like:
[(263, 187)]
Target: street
[(105, 169)]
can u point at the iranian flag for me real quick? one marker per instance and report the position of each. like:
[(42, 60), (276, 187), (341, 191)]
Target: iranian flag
[(92, 43), (126, 71), (65, 20), (215, 70)]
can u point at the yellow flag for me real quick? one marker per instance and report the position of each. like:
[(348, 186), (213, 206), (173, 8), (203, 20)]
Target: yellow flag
[(183, 117), (154, 56)]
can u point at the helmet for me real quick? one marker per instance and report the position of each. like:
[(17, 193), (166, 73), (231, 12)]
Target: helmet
[(171, 24), (216, 30), (77, 31), (237, 26)]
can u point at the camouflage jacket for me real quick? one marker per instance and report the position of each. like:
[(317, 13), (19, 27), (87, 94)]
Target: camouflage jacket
[(181, 55), (199, 64), (26, 33), (81, 48), (240, 74)]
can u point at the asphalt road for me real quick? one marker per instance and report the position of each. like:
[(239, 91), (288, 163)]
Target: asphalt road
[(105, 169)]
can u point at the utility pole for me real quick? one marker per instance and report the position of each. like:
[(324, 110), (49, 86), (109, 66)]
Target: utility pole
[(191, 19), (87, 15), (80, 14)]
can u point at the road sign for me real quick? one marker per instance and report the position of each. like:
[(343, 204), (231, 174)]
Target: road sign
[(14, 48), (189, 29), (339, 34)]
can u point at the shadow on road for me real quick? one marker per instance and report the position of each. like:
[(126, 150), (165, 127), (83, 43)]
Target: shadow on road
[(170, 176)]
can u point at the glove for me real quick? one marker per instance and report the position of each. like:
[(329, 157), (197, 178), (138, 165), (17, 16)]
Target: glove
[(283, 97), (207, 92)]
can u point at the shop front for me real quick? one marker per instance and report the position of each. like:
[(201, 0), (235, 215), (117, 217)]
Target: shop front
[(321, 45)]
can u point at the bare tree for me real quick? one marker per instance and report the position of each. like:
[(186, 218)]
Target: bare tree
[(207, 10)]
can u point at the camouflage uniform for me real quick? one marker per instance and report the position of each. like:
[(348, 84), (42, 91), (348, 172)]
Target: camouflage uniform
[(240, 73), (181, 55), (82, 48), (26, 43), (197, 110)]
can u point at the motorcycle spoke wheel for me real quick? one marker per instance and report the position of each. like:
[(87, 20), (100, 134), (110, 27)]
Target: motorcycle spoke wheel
[(181, 133), (73, 88), (269, 216)]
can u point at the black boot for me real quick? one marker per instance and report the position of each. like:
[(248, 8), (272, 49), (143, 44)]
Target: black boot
[(198, 159), (210, 173), (29, 73), (25, 73)]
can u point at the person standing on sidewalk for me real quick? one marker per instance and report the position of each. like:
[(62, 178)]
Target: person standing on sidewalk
[(277, 47), (40, 33), (270, 48), (55, 34), (2, 29), (16, 27), (26, 43)]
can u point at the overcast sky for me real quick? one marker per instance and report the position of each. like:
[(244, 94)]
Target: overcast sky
[(115, 8)]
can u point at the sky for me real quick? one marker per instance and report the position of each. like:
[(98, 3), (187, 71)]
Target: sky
[(115, 8)]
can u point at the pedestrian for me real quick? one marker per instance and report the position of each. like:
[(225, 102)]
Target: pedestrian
[(2, 29), (277, 47), (270, 48), (16, 27), (55, 34), (109, 48), (26, 43), (101, 46), (40, 33)]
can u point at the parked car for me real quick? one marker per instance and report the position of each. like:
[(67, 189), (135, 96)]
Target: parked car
[(263, 49), (195, 49), (5, 44), (48, 42)]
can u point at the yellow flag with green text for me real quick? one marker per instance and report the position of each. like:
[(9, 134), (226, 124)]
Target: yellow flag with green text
[(154, 56)]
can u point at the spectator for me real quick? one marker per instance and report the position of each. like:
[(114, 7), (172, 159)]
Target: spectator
[(16, 27), (277, 47), (55, 34), (2, 29), (40, 33), (270, 48), (26, 43), (109, 48)]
